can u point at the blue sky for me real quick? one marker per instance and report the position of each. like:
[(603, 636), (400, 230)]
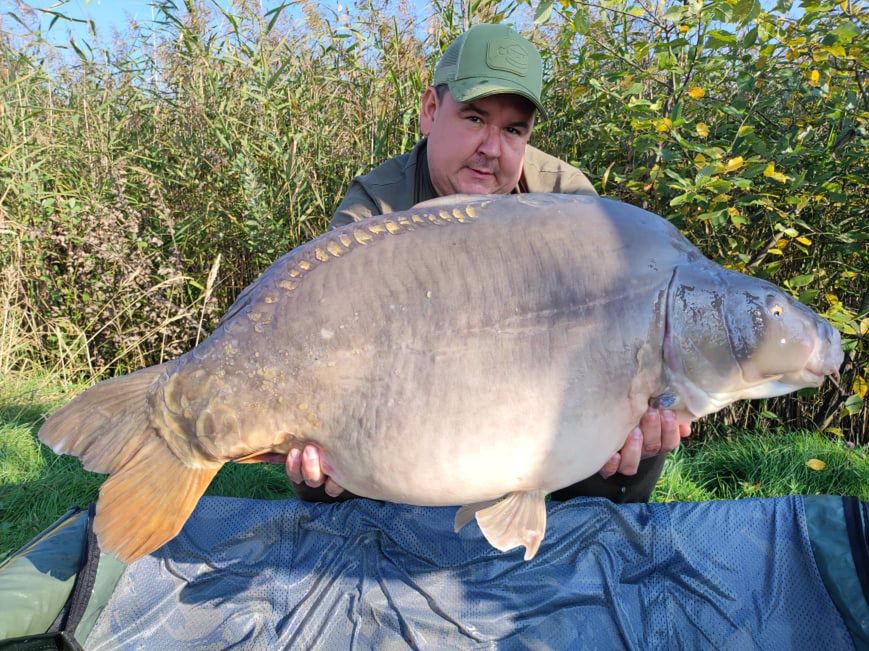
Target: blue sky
[(108, 15)]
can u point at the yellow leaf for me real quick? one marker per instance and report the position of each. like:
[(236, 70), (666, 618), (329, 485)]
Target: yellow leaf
[(700, 159), (832, 299), (683, 28), (702, 129), (859, 387), (844, 6), (775, 251), (814, 78), (663, 125), (721, 198), (697, 92), (804, 240), (734, 164), (791, 54), (816, 464), (770, 172), (864, 326)]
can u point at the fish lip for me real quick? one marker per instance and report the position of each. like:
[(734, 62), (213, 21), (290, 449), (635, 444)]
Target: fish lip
[(816, 377), (809, 377)]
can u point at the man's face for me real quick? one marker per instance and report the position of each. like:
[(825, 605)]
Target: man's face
[(475, 147)]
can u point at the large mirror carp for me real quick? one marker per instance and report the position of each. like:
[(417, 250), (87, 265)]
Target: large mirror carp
[(473, 351)]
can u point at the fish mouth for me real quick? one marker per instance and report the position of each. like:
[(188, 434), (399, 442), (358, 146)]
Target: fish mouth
[(809, 377), (827, 357), (814, 374)]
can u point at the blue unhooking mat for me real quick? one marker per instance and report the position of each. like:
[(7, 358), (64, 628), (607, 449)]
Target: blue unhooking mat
[(748, 574)]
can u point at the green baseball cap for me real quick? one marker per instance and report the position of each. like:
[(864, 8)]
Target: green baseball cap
[(491, 60)]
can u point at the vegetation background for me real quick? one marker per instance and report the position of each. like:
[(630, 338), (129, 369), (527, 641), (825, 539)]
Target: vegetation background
[(145, 181)]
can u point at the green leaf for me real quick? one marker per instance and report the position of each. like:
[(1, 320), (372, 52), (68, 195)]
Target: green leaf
[(580, 21), (544, 11), (854, 405), (719, 38), (846, 32), (745, 10), (754, 170), (276, 14), (675, 13), (801, 281), (718, 217)]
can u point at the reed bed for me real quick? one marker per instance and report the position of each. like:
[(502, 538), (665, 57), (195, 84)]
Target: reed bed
[(145, 180)]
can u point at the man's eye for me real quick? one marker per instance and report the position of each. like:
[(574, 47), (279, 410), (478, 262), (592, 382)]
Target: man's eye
[(474, 118)]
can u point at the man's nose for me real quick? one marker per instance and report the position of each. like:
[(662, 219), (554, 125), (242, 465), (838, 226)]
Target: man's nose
[(491, 144)]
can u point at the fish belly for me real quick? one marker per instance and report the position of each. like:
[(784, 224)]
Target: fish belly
[(488, 416)]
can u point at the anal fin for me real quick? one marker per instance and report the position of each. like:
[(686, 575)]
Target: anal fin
[(519, 519)]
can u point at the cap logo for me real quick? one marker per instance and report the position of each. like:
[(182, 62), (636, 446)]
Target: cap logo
[(508, 55)]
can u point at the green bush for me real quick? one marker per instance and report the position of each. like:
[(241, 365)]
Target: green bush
[(144, 184)]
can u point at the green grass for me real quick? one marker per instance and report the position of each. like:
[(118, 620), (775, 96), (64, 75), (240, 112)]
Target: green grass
[(37, 486), (769, 464)]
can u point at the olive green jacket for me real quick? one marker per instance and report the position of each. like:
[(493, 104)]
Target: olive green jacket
[(404, 181)]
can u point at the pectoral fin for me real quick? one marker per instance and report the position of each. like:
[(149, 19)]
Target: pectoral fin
[(517, 519)]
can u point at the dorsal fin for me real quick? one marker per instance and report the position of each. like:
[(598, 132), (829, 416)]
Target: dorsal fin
[(457, 199)]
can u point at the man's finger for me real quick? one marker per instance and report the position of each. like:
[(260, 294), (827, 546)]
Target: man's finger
[(632, 452), (332, 489), (669, 431), (611, 466), (294, 465), (650, 426), (684, 430), (311, 467)]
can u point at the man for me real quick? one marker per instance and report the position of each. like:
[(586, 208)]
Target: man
[(476, 120)]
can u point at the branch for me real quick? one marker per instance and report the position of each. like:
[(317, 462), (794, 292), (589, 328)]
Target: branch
[(761, 255)]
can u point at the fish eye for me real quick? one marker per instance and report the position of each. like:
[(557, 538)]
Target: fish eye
[(777, 311)]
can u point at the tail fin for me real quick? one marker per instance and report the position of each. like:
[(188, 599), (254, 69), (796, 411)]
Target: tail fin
[(151, 492)]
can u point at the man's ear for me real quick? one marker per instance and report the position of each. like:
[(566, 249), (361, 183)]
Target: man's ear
[(428, 107)]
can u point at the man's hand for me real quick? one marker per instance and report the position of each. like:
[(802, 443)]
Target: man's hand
[(306, 466), (658, 432)]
